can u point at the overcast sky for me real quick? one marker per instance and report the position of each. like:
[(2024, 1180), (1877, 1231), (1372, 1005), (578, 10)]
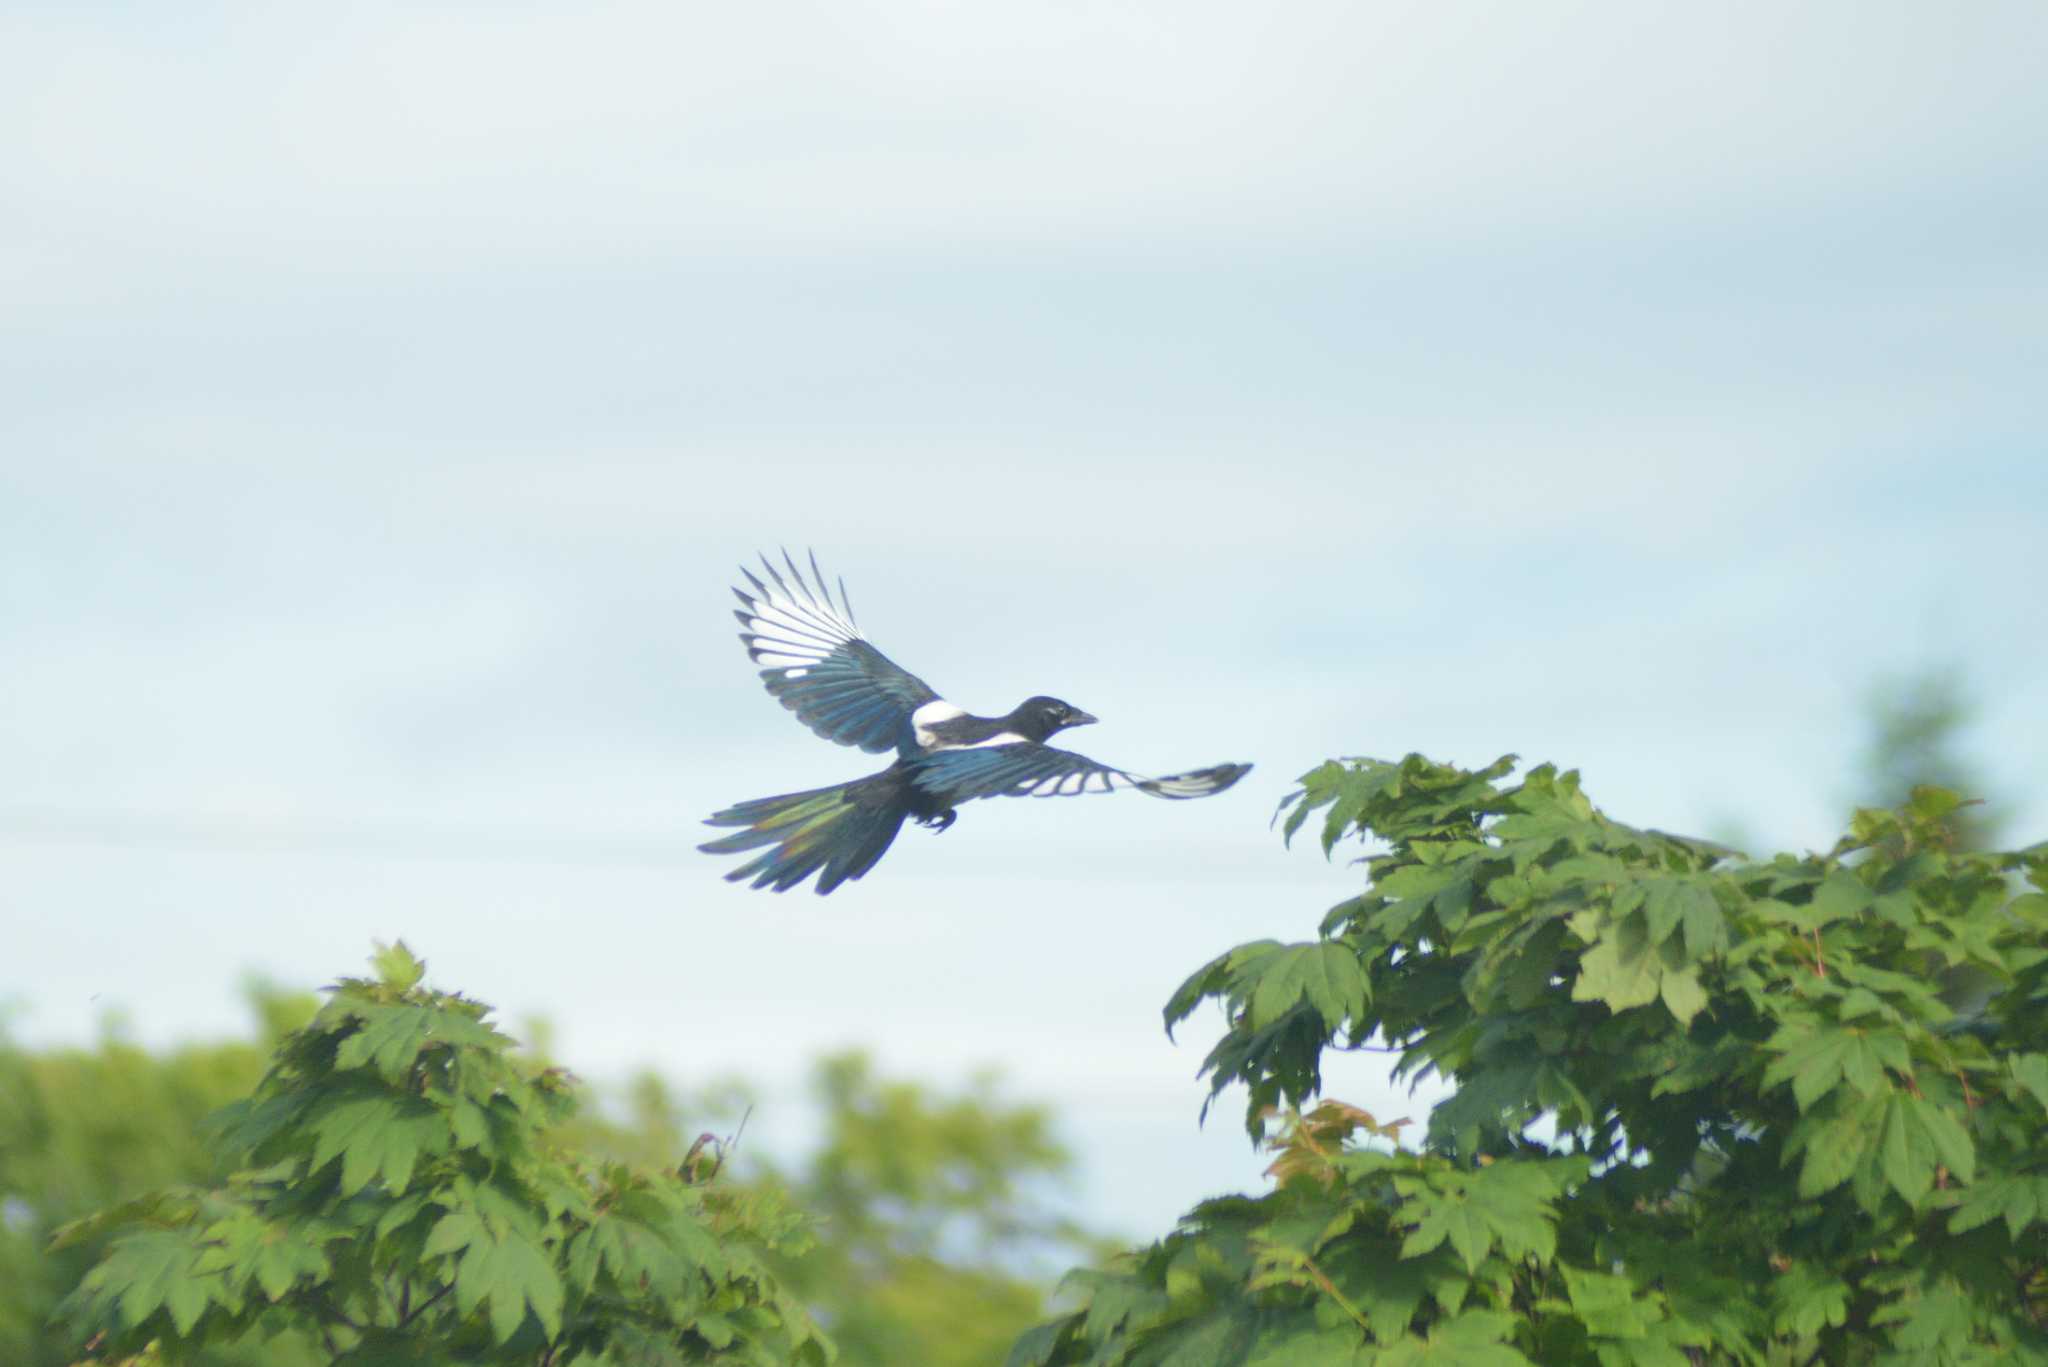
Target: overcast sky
[(387, 394)]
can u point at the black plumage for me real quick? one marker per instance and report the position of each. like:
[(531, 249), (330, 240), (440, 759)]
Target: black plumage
[(818, 665)]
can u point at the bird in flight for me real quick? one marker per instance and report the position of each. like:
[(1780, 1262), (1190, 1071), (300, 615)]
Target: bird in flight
[(817, 664)]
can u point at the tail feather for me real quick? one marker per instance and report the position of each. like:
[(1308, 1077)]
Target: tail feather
[(837, 833)]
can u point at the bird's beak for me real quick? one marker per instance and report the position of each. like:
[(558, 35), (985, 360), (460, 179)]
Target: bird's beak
[(1080, 719)]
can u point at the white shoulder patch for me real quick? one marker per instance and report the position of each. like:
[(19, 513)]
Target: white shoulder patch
[(933, 712)]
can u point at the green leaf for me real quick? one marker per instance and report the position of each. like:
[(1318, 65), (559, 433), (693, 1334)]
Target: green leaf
[(1840, 896), (282, 1261), (1325, 973), (1934, 1326), (1114, 1300), (1901, 909), (1527, 837), (1682, 994), (1836, 1145), (1806, 1300), (1509, 1204), (633, 1253), (396, 966), (393, 1348), (1446, 889), (453, 1232), (1211, 979), (1346, 788), (1476, 1338), (186, 1300), (1621, 970), (1469, 1232), (467, 1122), (1920, 1135), (2030, 1072), (1308, 1344), (390, 1037), (1038, 1344), (2018, 1199), (1607, 1304), (506, 1276), (1815, 1058), (142, 1270), (376, 1137), (1704, 925)]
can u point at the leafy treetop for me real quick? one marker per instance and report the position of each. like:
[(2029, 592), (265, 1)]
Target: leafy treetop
[(402, 1203), (1708, 1109)]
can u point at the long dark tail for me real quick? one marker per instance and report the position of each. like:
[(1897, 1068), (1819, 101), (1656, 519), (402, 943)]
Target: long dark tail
[(837, 833)]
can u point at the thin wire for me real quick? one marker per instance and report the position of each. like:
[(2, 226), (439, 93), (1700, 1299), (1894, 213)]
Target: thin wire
[(228, 835), (158, 830)]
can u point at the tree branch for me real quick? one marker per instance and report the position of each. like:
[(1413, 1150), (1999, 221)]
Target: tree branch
[(424, 1305)]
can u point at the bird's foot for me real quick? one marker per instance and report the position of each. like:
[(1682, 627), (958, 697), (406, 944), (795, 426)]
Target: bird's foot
[(939, 823)]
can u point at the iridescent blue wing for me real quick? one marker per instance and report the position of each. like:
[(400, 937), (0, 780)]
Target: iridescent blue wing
[(1027, 769), (818, 665)]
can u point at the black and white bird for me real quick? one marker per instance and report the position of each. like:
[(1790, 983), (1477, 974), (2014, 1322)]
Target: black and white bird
[(815, 661)]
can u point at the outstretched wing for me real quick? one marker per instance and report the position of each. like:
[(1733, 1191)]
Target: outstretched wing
[(818, 665), (1027, 769)]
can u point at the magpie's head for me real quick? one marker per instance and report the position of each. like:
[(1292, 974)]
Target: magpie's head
[(1039, 717)]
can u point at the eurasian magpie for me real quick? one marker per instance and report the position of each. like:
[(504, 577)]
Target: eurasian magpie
[(819, 666)]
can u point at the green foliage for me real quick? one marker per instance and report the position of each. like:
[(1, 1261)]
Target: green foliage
[(84, 1129), (402, 1202), (930, 1220), (1916, 722), (1708, 1109), (932, 1237), (931, 1249)]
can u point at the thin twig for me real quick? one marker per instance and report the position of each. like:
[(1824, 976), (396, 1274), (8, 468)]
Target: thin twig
[(424, 1305), (1330, 1289)]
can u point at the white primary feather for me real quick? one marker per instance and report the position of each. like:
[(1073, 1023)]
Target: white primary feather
[(794, 626)]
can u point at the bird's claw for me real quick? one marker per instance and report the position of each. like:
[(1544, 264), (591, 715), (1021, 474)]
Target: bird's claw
[(938, 823)]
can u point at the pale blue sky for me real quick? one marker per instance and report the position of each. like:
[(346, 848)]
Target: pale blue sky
[(387, 393)]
